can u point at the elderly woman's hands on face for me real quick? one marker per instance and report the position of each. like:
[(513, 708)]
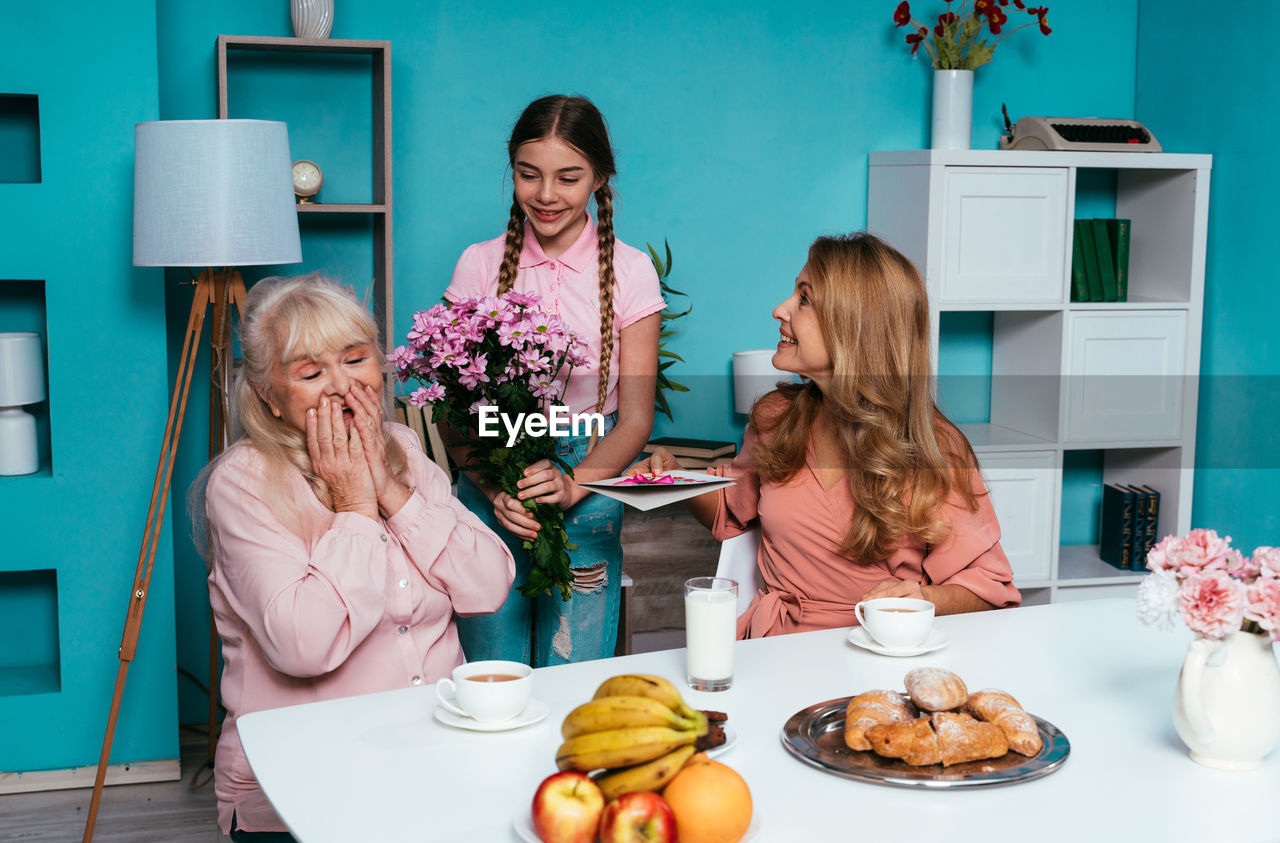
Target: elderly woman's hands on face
[(337, 457), (391, 494)]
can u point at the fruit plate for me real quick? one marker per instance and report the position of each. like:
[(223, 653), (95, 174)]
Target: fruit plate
[(524, 829), (815, 735)]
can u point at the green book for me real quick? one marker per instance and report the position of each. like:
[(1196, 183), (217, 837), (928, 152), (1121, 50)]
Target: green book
[(1138, 541), (1080, 287), (1115, 527), (1119, 230), (1106, 262), (1084, 233)]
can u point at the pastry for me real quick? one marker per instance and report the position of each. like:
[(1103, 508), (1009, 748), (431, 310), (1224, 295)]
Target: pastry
[(945, 738), (962, 738), (871, 708), (915, 742), (996, 706), (935, 689)]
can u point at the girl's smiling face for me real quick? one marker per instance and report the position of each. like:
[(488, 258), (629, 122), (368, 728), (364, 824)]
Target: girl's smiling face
[(299, 383), (802, 348), (553, 183)]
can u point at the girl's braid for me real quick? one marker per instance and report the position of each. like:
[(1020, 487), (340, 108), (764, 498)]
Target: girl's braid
[(511, 254), (604, 245)]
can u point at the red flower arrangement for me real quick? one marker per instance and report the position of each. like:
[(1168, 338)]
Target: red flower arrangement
[(953, 42)]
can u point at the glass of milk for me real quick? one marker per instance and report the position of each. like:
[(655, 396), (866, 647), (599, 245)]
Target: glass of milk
[(711, 627)]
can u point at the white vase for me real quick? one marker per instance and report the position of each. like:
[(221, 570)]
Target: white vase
[(311, 18), (952, 109), (1227, 704)]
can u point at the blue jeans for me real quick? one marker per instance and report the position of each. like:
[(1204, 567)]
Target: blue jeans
[(546, 630)]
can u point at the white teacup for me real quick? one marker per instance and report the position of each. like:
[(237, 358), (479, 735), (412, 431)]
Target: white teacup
[(896, 623), (487, 691)]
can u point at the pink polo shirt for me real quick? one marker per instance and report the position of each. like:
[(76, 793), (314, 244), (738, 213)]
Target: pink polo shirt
[(570, 286)]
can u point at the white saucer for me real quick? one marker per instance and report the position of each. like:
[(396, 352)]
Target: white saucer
[(937, 639), (730, 735), (536, 710), (524, 828)]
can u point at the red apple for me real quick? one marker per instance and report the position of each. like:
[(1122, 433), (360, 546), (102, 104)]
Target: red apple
[(638, 817), (567, 808)]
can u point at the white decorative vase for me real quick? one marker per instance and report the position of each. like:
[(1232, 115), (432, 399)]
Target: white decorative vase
[(311, 18), (1227, 704), (952, 109)]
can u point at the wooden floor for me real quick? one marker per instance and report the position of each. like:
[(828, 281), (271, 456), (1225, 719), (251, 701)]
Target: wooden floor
[(167, 811)]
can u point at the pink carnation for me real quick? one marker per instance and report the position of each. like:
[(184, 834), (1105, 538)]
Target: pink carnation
[(1266, 562), (1211, 603), (1199, 550), (1263, 605)]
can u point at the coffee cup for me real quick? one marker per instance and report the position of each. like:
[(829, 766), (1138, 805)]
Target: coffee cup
[(487, 691), (896, 623)]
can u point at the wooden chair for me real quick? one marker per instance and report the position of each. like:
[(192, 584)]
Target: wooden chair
[(428, 434)]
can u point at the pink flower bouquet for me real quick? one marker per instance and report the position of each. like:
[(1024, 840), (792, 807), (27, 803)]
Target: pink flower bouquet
[(1211, 586), (504, 358)]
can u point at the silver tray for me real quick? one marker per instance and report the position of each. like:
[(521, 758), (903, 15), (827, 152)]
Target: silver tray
[(815, 735)]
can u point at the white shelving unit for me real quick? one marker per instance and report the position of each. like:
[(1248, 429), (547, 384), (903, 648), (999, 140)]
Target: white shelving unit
[(992, 232)]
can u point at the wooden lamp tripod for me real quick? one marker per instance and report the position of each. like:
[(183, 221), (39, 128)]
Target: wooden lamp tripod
[(206, 193)]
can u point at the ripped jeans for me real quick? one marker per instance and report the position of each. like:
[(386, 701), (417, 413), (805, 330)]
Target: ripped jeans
[(546, 630)]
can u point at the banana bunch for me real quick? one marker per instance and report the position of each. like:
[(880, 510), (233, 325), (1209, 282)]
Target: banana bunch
[(637, 731)]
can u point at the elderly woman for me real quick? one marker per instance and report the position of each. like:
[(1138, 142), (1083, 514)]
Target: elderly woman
[(861, 487), (338, 557)]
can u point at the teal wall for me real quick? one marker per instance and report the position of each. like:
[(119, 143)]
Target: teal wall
[(72, 531), (742, 131), (1221, 98)]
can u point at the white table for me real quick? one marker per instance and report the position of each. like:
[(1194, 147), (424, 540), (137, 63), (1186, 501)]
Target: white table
[(380, 767)]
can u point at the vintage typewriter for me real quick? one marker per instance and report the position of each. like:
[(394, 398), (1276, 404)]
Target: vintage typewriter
[(1085, 134)]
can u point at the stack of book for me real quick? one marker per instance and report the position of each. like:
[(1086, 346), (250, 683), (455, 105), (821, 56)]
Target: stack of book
[(1127, 531), (695, 454), (1100, 260)]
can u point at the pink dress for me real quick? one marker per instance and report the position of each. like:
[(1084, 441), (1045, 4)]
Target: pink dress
[(350, 606), (808, 585)]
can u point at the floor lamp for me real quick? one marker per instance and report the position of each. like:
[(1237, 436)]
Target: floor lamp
[(206, 193)]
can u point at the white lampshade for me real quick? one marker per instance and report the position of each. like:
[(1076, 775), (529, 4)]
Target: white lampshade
[(213, 193), (21, 369), (754, 376), (21, 382)]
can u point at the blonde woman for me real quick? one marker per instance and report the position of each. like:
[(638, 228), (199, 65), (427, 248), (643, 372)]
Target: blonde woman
[(860, 485), (337, 555)]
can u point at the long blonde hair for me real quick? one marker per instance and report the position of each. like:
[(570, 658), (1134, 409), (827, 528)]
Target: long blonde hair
[(578, 123), (902, 455), (283, 317)]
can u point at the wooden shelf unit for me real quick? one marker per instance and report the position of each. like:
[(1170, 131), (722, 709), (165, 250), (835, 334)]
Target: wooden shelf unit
[(991, 231), (380, 209)]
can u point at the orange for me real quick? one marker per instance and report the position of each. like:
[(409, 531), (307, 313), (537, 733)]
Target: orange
[(711, 802)]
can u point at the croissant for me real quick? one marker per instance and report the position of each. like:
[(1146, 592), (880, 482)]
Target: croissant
[(870, 708), (961, 738), (941, 738), (1019, 728), (935, 689), (915, 742)]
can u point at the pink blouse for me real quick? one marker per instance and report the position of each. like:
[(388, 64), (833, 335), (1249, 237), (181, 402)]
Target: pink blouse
[(570, 286), (350, 606), (807, 583)]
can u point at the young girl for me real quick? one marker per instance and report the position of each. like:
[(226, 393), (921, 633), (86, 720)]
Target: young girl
[(608, 293), (860, 485)]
